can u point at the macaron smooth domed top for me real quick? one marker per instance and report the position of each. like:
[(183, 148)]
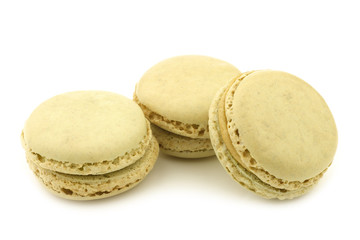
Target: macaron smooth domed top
[(181, 88), (285, 124), (85, 127)]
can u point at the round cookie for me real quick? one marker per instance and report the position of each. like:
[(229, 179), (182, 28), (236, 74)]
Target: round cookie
[(76, 140), (273, 133), (176, 94)]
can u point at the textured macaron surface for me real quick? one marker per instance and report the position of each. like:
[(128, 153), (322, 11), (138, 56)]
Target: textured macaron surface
[(285, 125), (79, 187), (180, 146), (85, 127), (181, 88)]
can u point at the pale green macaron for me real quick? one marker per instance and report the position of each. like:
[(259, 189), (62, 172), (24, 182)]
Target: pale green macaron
[(175, 96), (89, 144), (273, 133)]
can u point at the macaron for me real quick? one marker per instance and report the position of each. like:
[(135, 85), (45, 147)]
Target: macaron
[(88, 145), (175, 96), (273, 133)]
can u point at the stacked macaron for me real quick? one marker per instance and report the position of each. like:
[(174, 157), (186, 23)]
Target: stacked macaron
[(89, 144), (175, 96), (273, 133)]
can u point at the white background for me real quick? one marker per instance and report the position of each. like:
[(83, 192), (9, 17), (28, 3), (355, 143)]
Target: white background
[(50, 47)]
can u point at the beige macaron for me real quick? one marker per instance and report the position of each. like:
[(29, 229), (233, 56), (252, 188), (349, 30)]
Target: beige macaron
[(175, 95), (89, 144), (273, 133)]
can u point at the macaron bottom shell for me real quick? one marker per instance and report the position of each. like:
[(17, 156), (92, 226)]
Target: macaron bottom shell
[(180, 146), (189, 154), (91, 187)]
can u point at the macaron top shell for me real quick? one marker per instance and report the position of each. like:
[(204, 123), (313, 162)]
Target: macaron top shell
[(285, 124), (85, 127), (181, 88)]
